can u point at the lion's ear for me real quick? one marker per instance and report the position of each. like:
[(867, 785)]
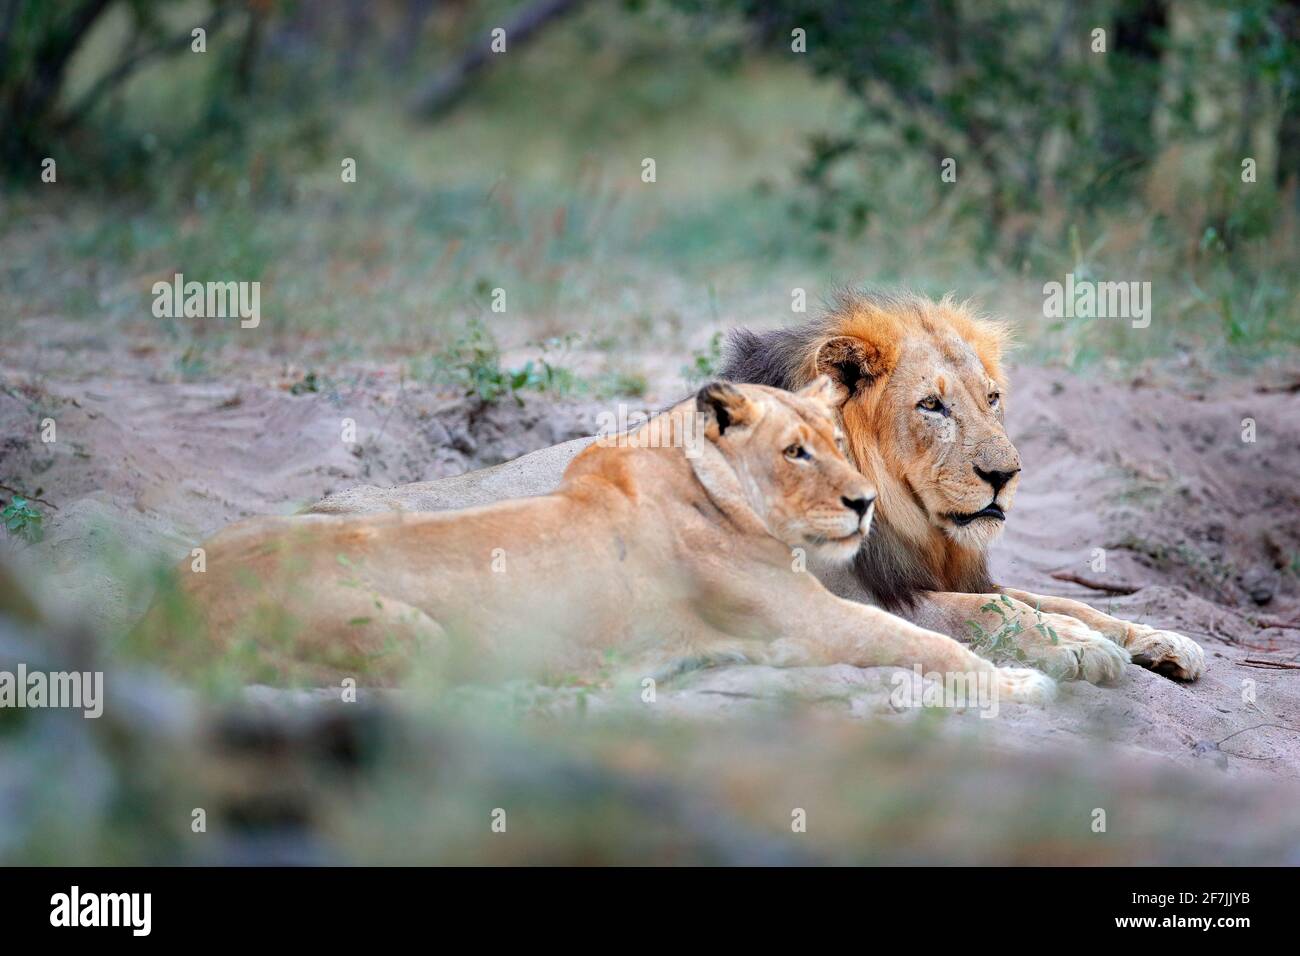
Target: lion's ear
[(725, 406), (823, 391), (850, 363)]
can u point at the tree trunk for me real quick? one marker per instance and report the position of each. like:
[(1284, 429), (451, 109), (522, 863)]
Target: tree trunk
[(27, 108), (1287, 17), (1137, 41)]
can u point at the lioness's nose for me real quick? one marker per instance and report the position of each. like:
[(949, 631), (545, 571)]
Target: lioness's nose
[(860, 504), (996, 478)]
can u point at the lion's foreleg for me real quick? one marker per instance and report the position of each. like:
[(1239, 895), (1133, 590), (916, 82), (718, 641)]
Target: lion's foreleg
[(1110, 627), (844, 632), (1166, 652), (999, 625)]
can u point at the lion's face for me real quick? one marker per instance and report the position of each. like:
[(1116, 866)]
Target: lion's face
[(788, 454), (939, 416)]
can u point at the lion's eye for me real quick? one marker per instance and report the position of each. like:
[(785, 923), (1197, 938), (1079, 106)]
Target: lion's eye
[(930, 404), (994, 398), (796, 452)]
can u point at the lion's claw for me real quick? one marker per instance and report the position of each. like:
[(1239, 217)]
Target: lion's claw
[(1168, 653)]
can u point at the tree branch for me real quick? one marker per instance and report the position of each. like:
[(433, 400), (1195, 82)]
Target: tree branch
[(51, 60), (22, 494), (123, 71), (7, 18), (1074, 578), (449, 86)]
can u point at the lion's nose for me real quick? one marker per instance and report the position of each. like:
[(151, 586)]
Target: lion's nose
[(996, 478), (859, 504)]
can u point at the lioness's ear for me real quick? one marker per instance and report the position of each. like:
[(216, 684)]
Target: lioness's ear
[(850, 363), (724, 406), (823, 391)]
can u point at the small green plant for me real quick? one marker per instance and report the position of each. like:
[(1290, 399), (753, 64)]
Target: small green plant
[(546, 373), (308, 383), (1000, 645), (619, 384), (191, 364), (22, 520), (474, 364), (704, 362)]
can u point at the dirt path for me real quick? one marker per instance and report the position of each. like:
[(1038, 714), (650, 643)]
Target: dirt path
[(1200, 530), (1202, 527)]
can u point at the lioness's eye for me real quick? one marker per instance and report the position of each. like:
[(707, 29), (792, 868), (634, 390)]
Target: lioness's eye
[(930, 404), (993, 400), (797, 451)]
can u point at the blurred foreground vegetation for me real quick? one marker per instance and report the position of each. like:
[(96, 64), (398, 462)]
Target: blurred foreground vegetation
[(525, 774)]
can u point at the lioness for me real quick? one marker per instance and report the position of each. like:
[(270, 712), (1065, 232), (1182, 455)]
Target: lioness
[(684, 540), (922, 395)]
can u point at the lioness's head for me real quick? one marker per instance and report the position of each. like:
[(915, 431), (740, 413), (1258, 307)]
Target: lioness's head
[(786, 451), (921, 395)]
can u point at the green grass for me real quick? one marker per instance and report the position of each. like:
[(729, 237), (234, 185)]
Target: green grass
[(534, 186)]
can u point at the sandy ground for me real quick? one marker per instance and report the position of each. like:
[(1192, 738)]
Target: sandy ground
[(1200, 529)]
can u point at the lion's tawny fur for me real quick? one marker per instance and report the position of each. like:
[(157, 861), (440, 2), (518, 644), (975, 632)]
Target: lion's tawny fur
[(651, 551)]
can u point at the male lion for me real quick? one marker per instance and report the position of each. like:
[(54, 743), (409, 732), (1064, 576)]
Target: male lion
[(921, 397), (680, 541)]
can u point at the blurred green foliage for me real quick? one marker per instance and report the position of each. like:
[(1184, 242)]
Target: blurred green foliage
[(777, 169), (1064, 100), (1027, 95)]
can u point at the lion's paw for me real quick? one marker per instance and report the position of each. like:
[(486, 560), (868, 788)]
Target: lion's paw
[(1024, 685), (1078, 653), (1167, 653)]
